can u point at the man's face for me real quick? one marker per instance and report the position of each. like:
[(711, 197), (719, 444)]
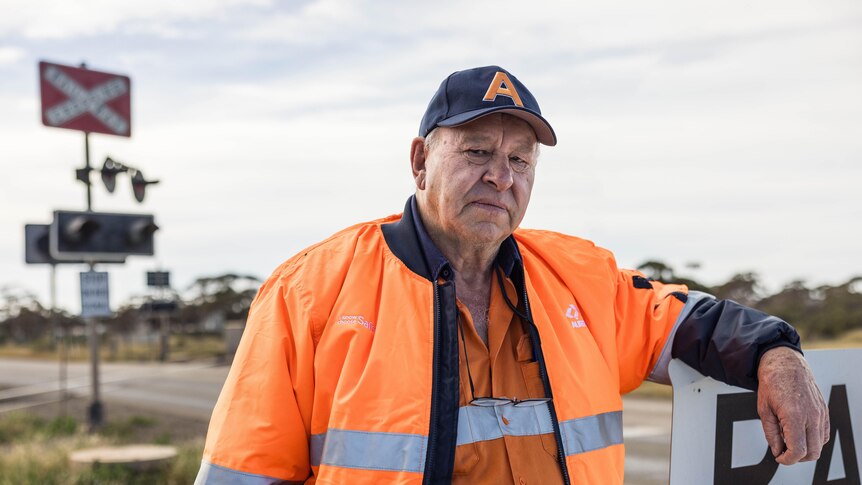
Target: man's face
[(475, 180)]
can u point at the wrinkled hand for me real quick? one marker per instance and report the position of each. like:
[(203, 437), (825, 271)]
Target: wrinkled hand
[(794, 416)]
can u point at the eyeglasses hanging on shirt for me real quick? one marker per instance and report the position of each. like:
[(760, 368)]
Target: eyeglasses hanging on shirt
[(496, 401)]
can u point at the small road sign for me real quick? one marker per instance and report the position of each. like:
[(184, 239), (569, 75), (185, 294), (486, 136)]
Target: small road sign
[(85, 100), (94, 294), (158, 279)]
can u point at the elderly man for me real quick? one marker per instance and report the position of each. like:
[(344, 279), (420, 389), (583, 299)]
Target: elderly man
[(445, 345)]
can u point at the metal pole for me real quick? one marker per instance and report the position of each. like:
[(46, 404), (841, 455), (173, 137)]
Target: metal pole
[(166, 328), (95, 409), (87, 162), (88, 168), (166, 336), (60, 332)]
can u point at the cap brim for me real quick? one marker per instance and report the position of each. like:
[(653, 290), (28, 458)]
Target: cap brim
[(544, 133)]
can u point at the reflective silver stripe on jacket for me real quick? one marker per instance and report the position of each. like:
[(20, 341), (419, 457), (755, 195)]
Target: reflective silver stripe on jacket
[(210, 474), (579, 435), (479, 423), (660, 373), (406, 452), (592, 432), (369, 450)]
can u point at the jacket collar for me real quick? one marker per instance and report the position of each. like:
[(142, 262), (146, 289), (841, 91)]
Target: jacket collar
[(410, 242)]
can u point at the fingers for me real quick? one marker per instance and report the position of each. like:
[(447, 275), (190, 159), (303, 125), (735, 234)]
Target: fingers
[(791, 407), (814, 442), (772, 431), (796, 443)]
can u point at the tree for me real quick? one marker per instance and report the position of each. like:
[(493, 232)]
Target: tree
[(837, 309), (22, 317), (657, 270), (230, 294), (795, 304), (744, 288)]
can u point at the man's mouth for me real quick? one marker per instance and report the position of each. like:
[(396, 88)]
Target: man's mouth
[(489, 205)]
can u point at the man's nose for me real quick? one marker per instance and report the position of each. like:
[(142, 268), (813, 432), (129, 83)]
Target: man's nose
[(499, 173)]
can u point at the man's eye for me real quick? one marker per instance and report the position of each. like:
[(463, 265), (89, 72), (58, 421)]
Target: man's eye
[(519, 164), (478, 155)]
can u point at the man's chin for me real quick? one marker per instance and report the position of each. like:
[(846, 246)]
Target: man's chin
[(486, 233)]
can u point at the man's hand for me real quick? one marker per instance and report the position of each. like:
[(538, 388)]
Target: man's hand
[(795, 417)]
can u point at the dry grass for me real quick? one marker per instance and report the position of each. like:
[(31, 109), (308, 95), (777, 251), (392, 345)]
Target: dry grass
[(851, 339), (34, 450), (183, 349), (651, 390)]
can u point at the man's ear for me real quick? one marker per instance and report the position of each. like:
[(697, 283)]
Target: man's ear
[(417, 161)]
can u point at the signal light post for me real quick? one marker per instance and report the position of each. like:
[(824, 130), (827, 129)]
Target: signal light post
[(92, 102)]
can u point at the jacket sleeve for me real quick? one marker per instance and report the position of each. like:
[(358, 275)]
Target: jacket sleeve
[(259, 431), (646, 315), (719, 338), (725, 340)]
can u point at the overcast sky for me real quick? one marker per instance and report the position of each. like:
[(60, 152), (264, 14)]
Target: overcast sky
[(725, 133)]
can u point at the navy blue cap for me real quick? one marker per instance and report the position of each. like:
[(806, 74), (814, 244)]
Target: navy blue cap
[(470, 94)]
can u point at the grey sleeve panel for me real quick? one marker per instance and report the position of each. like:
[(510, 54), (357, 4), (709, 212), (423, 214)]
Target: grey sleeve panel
[(210, 474), (659, 373)]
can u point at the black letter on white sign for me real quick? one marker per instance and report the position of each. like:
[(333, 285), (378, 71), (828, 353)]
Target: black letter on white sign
[(731, 408), (839, 418)]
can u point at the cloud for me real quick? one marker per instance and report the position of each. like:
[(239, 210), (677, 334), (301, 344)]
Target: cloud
[(10, 55), (60, 19), (272, 125)]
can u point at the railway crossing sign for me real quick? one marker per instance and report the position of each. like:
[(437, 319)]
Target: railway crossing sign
[(85, 100)]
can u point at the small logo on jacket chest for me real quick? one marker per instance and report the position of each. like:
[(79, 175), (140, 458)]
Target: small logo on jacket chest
[(356, 320), (574, 316)]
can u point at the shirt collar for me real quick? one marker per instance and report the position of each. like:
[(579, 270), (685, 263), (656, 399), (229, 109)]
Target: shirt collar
[(433, 257)]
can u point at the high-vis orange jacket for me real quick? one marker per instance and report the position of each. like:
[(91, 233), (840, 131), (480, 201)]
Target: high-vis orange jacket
[(347, 372)]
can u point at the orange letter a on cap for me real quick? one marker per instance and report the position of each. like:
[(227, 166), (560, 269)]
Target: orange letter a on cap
[(496, 89)]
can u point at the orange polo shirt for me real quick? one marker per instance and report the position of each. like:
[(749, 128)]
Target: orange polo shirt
[(505, 368)]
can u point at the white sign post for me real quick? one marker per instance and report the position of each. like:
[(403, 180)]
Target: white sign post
[(717, 437), (94, 294), (94, 303)]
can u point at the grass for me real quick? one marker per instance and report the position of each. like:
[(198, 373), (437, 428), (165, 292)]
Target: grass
[(651, 390), (34, 451), (851, 339), (183, 348)]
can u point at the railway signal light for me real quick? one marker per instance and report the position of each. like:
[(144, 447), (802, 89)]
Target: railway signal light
[(101, 236), (109, 172), (139, 185)]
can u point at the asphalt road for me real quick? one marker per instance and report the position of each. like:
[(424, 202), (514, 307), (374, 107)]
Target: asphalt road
[(181, 389), (191, 389)]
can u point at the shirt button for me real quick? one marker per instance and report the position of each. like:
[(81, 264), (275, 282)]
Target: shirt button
[(505, 421), (522, 481)]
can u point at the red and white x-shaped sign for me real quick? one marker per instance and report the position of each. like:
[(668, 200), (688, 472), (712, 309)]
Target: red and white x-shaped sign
[(85, 100)]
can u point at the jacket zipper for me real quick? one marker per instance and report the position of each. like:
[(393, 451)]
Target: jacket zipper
[(543, 373), (432, 439)]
